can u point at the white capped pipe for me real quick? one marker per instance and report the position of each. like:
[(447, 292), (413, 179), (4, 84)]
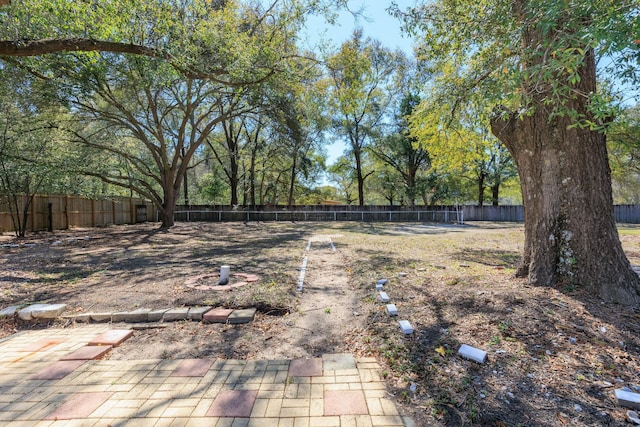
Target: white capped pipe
[(472, 353), (224, 274)]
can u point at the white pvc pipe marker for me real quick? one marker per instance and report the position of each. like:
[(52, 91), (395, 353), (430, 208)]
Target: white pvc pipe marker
[(628, 399), (303, 270), (224, 274), (472, 353)]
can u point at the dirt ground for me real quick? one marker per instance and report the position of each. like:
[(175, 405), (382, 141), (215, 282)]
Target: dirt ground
[(555, 355)]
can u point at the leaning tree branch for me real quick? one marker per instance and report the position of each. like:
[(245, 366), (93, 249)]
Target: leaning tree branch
[(27, 48)]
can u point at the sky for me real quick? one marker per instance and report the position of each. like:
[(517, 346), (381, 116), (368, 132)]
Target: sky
[(375, 23)]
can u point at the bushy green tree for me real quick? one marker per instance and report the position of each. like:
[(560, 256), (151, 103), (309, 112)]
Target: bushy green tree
[(33, 154), (360, 85), (623, 144), (157, 75), (403, 153)]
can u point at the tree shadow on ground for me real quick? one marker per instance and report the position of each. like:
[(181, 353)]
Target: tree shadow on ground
[(77, 268), (489, 257), (535, 374), (396, 229)]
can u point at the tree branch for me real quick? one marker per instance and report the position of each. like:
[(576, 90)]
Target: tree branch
[(27, 48)]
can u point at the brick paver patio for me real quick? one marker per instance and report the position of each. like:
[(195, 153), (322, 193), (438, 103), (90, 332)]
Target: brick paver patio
[(39, 388)]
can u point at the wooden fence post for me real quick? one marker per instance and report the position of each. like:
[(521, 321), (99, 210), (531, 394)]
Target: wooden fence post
[(66, 212), (50, 217), (33, 211)]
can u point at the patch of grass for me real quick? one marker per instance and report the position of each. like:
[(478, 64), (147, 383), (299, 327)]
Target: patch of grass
[(628, 230), (504, 326), (370, 299), (495, 340), (474, 413)]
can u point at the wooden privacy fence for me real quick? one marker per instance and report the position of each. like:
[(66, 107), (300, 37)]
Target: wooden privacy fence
[(56, 212), (623, 214), (506, 213), (61, 212), (629, 214)]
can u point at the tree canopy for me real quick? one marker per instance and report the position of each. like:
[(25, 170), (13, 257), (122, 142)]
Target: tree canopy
[(533, 64), (164, 74), (487, 50), (360, 86), (226, 41)]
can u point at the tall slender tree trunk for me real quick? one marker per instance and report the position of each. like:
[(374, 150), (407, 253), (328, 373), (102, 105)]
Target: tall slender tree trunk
[(357, 153), (252, 175), (22, 231), (292, 183), (261, 190), (481, 178), (495, 193), (411, 185), (185, 182), (570, 232), (233, 178)]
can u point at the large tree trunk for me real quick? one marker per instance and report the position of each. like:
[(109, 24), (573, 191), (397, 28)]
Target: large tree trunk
[(170, 191), (570, 231), (167, 212)]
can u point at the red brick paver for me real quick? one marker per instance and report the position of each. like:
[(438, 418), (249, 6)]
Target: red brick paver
[(113, 337), (79, 406), (248, 277), (58, 370), (347, 392), (40, 345), (193, 368), (345, 402), (217, 315), (233, 403), (88, 352), (305, 367)]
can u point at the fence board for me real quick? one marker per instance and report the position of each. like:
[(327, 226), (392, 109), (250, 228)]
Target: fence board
[(74, 211), (629, 214)]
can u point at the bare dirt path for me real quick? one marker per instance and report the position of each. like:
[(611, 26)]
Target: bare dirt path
[(323, 318), (328, 312)]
